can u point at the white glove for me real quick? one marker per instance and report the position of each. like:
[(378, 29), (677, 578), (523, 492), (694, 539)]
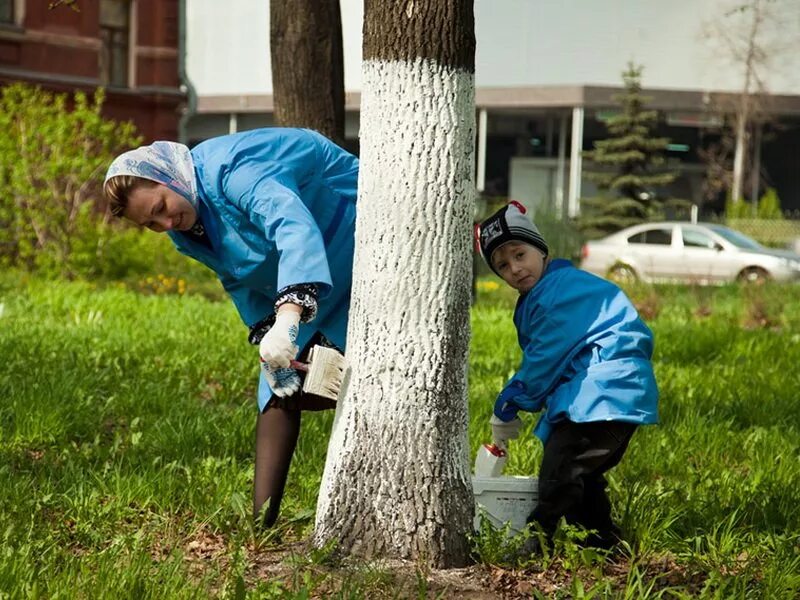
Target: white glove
[(502, 431), (278, 346), (283, 382)]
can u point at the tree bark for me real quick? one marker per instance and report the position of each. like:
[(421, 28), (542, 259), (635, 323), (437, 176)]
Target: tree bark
[(397, 482), (308, 65)]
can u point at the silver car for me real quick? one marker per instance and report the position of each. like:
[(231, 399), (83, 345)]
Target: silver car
[(687, 252)]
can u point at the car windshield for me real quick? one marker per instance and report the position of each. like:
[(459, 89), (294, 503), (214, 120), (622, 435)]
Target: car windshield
[(734, 237)]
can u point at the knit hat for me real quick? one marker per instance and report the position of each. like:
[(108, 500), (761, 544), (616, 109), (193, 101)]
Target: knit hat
[(509, 224)]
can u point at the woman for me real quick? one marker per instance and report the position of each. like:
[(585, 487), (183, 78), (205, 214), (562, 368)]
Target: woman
[(272, 212)]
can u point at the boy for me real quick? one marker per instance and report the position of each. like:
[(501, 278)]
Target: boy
[(586, 365)]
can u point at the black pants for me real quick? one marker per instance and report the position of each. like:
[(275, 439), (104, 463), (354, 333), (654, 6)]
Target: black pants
[(571, 481)]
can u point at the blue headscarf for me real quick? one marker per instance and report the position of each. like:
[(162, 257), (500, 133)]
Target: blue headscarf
[(167, 163)]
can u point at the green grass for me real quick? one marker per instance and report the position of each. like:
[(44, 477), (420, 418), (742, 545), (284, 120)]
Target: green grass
[(126, 442)]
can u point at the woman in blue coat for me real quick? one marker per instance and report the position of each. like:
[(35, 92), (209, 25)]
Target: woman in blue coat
[(272, 213)]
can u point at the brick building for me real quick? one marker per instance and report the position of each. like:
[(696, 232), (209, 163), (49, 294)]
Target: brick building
[(130, 47)]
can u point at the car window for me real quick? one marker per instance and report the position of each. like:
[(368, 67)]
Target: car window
[(737, 238), (697, 239), (662, 236)]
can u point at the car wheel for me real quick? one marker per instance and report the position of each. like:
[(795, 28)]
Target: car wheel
[(755, 275), (622, 274)]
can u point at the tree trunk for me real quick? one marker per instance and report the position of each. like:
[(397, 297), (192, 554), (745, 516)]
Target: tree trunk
[(308, 65), (743, 113), (739, 158), (396, 482)]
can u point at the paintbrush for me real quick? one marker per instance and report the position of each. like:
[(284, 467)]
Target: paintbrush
[(327, 373)]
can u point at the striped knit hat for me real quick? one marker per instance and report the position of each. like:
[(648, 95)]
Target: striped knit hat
[(509, 224)]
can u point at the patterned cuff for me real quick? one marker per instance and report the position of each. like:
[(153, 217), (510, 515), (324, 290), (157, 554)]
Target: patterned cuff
[(260, 329), (302, 294)]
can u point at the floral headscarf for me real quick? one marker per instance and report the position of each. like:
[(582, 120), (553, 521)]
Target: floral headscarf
[(167, 163)]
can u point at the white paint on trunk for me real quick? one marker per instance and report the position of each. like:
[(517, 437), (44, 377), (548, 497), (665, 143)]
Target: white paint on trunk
[(396, 480)]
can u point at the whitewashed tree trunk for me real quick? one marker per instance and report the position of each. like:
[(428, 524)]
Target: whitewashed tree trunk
[(396, 482)]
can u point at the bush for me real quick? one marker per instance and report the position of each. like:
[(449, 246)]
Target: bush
[(117, 252), (53, 155), (562, 235), (767, 207)]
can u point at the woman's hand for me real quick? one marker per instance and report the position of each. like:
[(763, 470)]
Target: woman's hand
[(278, 345), (282, 382)]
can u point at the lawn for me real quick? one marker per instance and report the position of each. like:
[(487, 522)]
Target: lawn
[(126, 442)]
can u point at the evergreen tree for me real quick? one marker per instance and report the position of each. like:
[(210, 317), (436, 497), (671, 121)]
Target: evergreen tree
[(627, 173)]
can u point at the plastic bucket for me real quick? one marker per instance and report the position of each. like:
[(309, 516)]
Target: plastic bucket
[(504, 500)]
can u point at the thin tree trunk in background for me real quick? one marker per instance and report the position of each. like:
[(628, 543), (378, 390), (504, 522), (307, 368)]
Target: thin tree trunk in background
[(397, 481), (739, 156), (744, 110), (308, 65)]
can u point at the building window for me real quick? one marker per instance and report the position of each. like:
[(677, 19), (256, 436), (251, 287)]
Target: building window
[(114, 36), (7, 12)]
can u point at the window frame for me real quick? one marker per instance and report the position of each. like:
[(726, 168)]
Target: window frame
[(11, 20), (112, 39)]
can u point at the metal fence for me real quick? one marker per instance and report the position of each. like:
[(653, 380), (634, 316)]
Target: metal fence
[(777, 233)]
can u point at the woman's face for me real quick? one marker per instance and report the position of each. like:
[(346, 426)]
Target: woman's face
[(160, 209)]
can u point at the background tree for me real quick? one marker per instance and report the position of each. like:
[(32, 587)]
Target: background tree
[(308, 65), (751, 37), (397, 482), (627, 165)]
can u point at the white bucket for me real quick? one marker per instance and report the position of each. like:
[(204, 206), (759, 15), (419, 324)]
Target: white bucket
[(504, 500)]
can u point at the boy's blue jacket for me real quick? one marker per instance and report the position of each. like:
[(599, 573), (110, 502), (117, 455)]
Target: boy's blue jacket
[(279, 208), (586, 352)]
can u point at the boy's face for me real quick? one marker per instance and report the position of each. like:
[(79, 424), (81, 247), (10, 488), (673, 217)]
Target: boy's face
[(160, 209), (519, 264)]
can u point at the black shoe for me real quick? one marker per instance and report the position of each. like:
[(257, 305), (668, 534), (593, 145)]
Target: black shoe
[(605, 539)]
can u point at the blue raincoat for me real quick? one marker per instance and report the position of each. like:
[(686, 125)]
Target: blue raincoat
[(586, 352), (279, 208)]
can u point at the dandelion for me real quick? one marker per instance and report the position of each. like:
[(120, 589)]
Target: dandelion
[(488, 286)]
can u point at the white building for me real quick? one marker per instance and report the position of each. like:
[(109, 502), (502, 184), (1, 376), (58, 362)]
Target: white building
[(545, 74)]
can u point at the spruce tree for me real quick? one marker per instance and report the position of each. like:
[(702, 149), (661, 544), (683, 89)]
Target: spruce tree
[(626, 165)]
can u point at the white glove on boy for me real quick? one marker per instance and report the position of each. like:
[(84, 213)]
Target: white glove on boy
[(502, 431)]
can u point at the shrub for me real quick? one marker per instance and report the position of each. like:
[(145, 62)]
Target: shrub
[(562, 235), (53, 154), (769, 205)]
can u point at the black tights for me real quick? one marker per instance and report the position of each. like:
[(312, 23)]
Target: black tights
[(277, 430)]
